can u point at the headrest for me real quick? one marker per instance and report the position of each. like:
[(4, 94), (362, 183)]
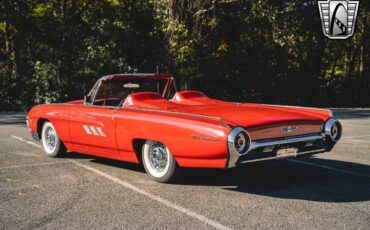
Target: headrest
[(188, 94), (183, 95), (145, 100)]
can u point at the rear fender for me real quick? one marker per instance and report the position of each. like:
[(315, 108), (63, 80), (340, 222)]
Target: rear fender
[(194, 142)]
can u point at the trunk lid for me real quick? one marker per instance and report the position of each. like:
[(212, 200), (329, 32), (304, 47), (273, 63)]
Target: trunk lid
[(262, 121)]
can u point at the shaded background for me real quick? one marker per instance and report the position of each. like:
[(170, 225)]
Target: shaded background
[(266, 51)]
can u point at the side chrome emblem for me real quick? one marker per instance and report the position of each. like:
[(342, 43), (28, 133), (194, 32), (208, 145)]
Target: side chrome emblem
[(289, 129), (212, 139), (338, 18), (92, 130)]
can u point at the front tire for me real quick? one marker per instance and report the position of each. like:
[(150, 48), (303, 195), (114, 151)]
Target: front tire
[(51, 142), (158, 162)]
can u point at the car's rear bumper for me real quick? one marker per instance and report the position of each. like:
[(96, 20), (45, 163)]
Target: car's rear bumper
[(275, 148)]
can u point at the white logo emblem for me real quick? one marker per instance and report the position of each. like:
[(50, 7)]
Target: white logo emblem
[(338, 18), (91, 130), (289, 128)]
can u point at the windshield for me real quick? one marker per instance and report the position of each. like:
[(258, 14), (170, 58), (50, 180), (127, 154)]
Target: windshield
[(114, 91)]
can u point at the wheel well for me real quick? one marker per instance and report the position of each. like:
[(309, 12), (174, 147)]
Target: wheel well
[(137, 145), (40, 123)]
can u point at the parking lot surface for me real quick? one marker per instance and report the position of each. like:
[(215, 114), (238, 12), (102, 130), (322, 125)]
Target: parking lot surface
[(327, 191)]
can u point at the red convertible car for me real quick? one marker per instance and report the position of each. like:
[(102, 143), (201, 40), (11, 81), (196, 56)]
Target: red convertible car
[(142, 118)]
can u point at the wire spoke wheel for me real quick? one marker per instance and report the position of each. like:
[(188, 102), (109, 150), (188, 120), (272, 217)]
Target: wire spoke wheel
[(158, 161), (158, 157), (51, 143), (50, 138)]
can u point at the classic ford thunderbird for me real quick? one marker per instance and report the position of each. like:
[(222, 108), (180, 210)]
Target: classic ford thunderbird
[(142, 118)]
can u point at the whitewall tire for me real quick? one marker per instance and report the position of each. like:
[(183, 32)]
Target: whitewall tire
[(51, 143), (158, 162)]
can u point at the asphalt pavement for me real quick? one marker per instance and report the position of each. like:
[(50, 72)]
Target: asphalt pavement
[(327, 191)]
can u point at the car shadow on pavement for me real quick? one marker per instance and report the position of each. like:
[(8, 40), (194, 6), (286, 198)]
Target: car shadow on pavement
[(290, 180), (284, 179), (106, 161), (74, 155), (119, 164)]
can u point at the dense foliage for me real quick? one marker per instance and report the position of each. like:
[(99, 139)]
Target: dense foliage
[(242, 50)]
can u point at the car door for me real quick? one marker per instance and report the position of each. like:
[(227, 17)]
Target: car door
[(92, 129)]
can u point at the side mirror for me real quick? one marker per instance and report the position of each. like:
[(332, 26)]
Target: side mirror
[(87, 100)]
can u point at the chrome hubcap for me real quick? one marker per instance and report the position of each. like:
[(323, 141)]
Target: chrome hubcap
[(240, 142), (50, 138), (158, 157), (334, 131)]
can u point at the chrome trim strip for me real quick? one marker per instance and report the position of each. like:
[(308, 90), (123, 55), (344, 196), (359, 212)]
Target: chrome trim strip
[(95, 92), (287, 140), (277, 158), (223, 122)]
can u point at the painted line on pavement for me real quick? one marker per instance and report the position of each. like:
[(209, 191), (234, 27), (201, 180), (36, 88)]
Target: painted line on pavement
[(28, 154), (355, 126), (329, 168), (351, 137), (356, 140), (154, 197), (140, 191), (31, 165), (25, 141)]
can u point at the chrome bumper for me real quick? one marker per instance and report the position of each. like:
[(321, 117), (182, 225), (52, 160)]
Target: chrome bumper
[(287, 140), (35, 136), (267, 149)]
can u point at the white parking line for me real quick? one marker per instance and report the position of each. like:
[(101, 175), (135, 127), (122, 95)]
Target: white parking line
[(350, 137), (28, 154), (25, 141), (138, 190), (356, 140), (31, 165), (329, 168), (154, 197), (355, 126)]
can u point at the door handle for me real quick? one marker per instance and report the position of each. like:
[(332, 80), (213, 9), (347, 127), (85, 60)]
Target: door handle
[(114, 110)]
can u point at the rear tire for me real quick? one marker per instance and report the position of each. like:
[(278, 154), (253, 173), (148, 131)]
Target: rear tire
[(51, 142), (158, 162)]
